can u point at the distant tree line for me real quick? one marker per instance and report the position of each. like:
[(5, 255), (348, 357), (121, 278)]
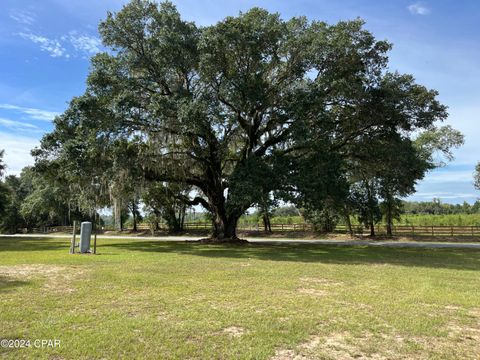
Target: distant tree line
[(30, 201), (34, 200), (436, 207)]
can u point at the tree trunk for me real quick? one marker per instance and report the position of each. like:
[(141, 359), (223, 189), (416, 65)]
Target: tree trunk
[(266, 223), (182, 222), (225, 228), (179, 218), (389, 228), (389, 218), (157, 222), (347, 220), (172, 220), (370, 202), (134, 215), (117, 214)]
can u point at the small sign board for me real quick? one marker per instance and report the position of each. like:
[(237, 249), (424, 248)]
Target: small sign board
[(85, 236)]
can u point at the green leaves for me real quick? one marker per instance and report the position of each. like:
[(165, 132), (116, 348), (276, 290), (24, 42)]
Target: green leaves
[(436, 144)]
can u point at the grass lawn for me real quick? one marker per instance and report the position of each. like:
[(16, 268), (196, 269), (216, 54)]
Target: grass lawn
[(159, 300)]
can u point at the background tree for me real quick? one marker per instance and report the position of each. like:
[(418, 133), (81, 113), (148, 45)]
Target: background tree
[(366, 204), (265, 207), (390, 165), (134, 208), (167, 201), (18, 190)]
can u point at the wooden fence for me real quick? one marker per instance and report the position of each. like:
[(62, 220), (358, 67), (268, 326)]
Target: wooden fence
[(358, 230), (417, 230)]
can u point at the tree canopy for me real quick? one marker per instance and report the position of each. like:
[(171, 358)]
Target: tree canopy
[(251, 107)]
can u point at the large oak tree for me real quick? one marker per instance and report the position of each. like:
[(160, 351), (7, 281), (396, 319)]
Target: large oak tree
[(239, 109)]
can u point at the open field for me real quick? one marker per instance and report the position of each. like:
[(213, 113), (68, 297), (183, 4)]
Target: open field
[(405, 219), (440, 220), (153, 299)]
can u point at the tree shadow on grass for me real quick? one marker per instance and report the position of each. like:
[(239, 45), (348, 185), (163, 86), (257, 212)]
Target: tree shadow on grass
[(33, 243), (462, 259), (7, 284)]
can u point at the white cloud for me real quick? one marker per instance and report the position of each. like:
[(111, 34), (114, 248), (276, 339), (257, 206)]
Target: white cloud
[(450, 176), (17, 151), (52, 46), (33, 113), (18, 125), (418, 9), (73, 44), (84, 43), (23, 17), (443, 195)]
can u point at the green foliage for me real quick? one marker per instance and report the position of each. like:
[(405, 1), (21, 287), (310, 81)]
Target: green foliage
[(283, 211), (11, 218), (167, 201), (440, 220), (35, 202), (44, 204), (436, 144), (366, 204), (436, 207), (5, 200), (323, 221)]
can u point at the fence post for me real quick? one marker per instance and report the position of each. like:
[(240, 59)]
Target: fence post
[(72, 250), (413, 230), (451, 228), (432, 231)]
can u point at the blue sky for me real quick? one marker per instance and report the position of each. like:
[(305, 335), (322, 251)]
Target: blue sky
[(45, 48)]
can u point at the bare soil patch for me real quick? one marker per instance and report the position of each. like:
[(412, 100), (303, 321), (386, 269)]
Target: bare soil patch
[(320, 281), (313, 292), (234, 331), (58, 279)]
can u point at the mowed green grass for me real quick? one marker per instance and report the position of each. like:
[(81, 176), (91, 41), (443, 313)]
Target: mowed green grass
[(160, 300)]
